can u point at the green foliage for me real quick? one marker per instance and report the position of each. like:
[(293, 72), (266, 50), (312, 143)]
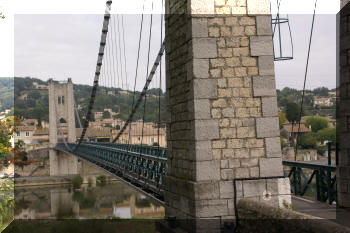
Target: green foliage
[(321, 150), (77, 181), (321, 91), (101, 180), (307, 141), (86, 200), (142, 202), (36, 105), (282, 119), (6, 93), (327, 134), (5, 145), (293, 112), (283, 144), (317, 123), (106, 115), (7, 203)]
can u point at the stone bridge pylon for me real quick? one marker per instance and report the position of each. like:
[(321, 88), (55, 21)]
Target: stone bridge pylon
[(61, 109), (223, 108)]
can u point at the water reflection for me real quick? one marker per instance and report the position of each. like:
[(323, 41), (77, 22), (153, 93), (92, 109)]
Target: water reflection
[(114, 200)]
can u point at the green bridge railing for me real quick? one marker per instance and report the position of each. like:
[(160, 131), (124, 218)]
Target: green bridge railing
[(144, 167), (320, 180)]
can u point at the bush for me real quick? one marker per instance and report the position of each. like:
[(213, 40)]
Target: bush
[(101, 180), (317, 123), (77, 181), (327, 134), (283, 144), (321, 150), (307, 141)]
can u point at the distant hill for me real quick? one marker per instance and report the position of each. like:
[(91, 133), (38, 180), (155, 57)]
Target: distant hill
[(6, 93), (35, 105)]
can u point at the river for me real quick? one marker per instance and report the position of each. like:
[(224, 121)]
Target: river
[(113, 200)]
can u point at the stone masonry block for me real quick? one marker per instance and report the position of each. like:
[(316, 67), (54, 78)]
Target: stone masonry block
[(254, 188), (270, 167), (267, 127), (203, 151), (206, 129), (208, 170), (280, 186), (206, 190), (201, 109), (199, 7), (269, 106), (199, 27), (266, 65), (261, 46), (264, 86), (284, 186), (273, 147), (205, 48), (226, 189), (205, 88), (263, 24), (258, 7), (210, 208), (201, 68)]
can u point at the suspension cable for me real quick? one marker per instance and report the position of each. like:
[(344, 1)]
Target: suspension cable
[(144, 90), (126, 74), (97, 72), (160, 78), (114, 48), (148, 54), (306, 70), (137, 67)]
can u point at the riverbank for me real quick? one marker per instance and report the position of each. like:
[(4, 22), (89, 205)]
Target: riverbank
[(52, 180)]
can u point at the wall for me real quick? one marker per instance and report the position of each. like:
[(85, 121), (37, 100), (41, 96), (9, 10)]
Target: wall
[(274, 219), (343, 113), (222, 104), (288, 153), (41, 165)]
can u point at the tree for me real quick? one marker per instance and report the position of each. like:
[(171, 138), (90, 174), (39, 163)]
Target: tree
[(282, 119), (321, 91), (307, 141), (5, 145), (316, 122), (35, 95), (106, 115), (293, 112), (326, 134)]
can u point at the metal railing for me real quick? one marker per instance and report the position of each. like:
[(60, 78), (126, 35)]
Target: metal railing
[(144, 167), (319, 179)]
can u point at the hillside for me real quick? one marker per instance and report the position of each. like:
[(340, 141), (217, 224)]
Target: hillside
[(6, 93), (35, 105)]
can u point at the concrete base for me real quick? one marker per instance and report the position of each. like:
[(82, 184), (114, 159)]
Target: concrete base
[(62, 164)]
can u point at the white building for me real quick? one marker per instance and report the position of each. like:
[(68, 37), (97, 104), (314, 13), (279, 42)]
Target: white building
[(323, 101)]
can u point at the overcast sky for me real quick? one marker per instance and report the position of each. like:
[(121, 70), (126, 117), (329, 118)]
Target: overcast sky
[(66, 45)]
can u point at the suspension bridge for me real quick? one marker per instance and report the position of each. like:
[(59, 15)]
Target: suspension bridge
[(222, 127)]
